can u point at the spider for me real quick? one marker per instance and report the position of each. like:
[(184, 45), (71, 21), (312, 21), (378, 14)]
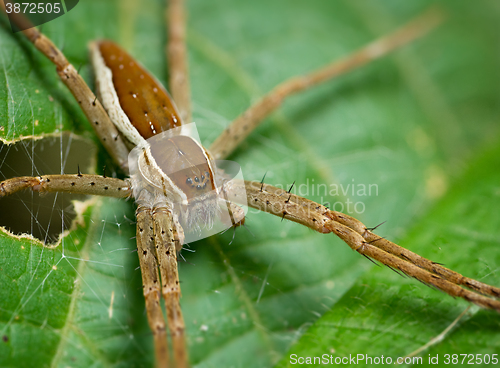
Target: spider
[(211, 327)]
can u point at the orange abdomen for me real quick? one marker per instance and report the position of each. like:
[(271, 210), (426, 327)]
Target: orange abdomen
[(145, 101)]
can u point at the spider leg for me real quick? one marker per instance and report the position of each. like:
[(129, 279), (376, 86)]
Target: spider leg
[(243, 125), (77, 184), (177, 58), (359, 244), (414, 258), (165, 241), (386, 245), (150, 280), (88, 102), (308, 213)]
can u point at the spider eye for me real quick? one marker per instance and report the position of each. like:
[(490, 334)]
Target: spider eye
[(207, 174), (198, 186), (189, 181), (196, 179), (202, 177)]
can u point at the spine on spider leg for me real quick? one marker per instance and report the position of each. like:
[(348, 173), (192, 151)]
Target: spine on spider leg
[(358, 243), (167, 258), (151, 284), (75, 184)]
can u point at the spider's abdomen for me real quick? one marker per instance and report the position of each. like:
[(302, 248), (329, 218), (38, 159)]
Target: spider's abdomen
[(136, 102)]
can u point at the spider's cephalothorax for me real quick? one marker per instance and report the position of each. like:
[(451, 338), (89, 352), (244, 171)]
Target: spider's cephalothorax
[(175, 171)]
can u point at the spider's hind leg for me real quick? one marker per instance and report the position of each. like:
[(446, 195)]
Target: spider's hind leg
[(177, 58), (90, 105), (250, 119)]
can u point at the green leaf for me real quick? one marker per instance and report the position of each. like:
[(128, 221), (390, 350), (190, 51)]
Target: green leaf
[(409, 127)]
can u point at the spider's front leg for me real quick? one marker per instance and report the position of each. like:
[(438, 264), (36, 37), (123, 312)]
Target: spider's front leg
[(167, 242), (158, 240), (157, 243), (317, 217), (384, 244), (151, 283)]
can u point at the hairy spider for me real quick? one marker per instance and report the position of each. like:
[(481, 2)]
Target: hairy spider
[(245, 303)]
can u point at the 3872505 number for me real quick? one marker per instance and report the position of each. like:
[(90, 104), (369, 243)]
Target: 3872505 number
[(471, 358), (32, 8)]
